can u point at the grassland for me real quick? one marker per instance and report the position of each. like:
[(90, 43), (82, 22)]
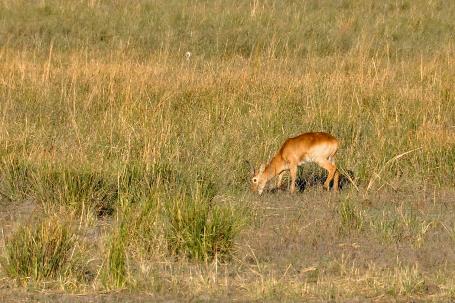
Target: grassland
[(122, 159)]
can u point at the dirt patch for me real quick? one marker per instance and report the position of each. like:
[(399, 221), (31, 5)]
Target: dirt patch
[(19, 296)]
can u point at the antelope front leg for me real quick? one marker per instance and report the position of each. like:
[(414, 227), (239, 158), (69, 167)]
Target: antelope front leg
[(293, 171), (280, 178)]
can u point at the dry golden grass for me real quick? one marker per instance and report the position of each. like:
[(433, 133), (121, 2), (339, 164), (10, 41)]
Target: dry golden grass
[(106, 122)]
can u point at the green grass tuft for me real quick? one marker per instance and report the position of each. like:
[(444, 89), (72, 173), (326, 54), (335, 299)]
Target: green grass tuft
[(42, 253), (115, 274), (200, 229)]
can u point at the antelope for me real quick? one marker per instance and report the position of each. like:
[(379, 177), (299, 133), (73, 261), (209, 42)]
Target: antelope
[(317, 147)]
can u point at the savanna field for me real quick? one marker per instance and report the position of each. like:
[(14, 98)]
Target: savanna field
[(125, 127)]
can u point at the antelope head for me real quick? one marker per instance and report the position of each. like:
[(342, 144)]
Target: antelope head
[(259, 180)]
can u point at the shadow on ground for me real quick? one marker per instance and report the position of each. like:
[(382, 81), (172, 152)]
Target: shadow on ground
[(309, 180)]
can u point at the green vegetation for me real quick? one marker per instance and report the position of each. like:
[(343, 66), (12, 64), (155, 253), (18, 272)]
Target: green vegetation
[(132, 121), (201, 229), (116, 263), (43, 253)]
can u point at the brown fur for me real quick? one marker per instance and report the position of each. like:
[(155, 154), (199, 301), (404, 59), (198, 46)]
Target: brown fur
[(315, 147)]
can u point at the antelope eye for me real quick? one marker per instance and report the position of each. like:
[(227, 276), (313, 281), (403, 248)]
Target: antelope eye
[(255, 180)]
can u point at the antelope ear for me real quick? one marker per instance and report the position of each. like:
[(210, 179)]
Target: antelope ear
[(261, 169)]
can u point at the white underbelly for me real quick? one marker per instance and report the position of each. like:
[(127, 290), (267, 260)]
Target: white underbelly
[(317, 154)]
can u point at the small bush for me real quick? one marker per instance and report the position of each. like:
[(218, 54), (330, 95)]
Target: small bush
[(43, 253), (200, 230)]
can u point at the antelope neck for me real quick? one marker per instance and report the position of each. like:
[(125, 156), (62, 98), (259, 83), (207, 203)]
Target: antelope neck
[(273, 168)]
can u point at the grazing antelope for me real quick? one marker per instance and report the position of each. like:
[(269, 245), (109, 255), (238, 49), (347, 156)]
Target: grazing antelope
[(308, 147)]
